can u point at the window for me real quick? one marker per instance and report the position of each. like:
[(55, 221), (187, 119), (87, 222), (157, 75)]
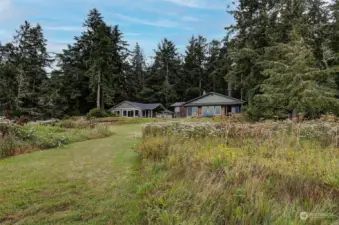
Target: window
[(192, 111), (208, 111), (217, 110), (124, 113), (136, 113), (130, 113), (235, 109)]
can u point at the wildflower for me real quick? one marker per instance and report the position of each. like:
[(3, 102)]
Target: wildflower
[(219, 156)]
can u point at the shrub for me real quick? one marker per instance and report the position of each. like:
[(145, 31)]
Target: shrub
[(233, 173), (97, 113), (14, 139), (8, 146), (79, 123)]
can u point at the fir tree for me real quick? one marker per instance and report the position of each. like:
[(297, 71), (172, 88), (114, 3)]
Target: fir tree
[(293, 82)]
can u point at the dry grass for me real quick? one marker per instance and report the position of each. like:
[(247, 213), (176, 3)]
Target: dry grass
[(233, 173)]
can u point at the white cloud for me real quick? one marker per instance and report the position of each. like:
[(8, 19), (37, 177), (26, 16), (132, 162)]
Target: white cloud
[(64, 28), (203, 4), (56, 47), (131, 34), (156, 23), (5, 9)]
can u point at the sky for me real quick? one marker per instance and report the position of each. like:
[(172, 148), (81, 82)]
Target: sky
[(142, 21)]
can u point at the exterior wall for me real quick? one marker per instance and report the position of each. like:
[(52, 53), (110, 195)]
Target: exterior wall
[(164, 115), (225, 110), (182, 112)]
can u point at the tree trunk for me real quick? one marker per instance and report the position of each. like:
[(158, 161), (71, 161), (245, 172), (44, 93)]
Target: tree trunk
[(102, 99), (99, 91), (229, 84)]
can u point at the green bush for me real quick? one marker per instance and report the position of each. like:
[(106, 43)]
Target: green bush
[(8, 146), (97, 113), (80, 123), (14, 139)]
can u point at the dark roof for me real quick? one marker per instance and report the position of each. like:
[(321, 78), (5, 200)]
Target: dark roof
[(235, 100), (146, 106), (142, 106), (177, 104)]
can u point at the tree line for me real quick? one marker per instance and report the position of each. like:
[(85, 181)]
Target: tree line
[(281, 56)]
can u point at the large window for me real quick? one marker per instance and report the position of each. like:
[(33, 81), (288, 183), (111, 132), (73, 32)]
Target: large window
[(235, 109), (217, 110), (192, 111), (124, 113), (208, 111)]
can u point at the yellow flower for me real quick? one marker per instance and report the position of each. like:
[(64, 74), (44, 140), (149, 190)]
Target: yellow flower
[(219, 156)]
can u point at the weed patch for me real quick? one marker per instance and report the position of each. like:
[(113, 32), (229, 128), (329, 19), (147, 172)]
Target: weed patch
[(234, 173), (18, 139)]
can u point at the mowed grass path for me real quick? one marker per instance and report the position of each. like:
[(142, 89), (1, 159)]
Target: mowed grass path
[(92, 182)]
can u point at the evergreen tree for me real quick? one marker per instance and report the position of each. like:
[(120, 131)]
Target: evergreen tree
[(164, 74), (138, 72), (98, 39), (293, 82), (119, 68), (215, 68), (195, 67), (24, 62)]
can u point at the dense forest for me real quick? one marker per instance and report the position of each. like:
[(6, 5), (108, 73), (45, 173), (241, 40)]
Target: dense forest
[(279, 56)]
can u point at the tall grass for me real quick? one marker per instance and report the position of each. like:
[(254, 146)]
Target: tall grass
[(232, 173), (20, 139)]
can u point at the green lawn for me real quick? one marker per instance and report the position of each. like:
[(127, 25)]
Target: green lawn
[(91, 182)]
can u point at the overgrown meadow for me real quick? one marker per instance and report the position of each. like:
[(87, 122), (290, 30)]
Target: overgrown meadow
[(240, 173), (15, 139)]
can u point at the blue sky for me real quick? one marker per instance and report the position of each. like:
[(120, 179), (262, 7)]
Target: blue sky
[(143, 21)]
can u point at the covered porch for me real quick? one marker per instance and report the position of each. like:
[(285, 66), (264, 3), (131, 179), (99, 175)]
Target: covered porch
[(147, 113), (141, 110)]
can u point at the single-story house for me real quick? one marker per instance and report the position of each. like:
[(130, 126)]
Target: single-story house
[(179, 110), (211, 104), (136, 109)]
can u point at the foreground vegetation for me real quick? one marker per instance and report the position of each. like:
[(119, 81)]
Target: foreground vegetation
[(91, 182), (186, 173), (233, 173), (16, 139)]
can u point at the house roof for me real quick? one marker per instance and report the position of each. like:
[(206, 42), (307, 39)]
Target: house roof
[(142, 106), (167, 111), (177, 104), (146, 106), (213, 98)]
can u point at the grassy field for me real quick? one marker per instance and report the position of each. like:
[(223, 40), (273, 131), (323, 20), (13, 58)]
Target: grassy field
[(180, 172), (92, 182), (240, 173)]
